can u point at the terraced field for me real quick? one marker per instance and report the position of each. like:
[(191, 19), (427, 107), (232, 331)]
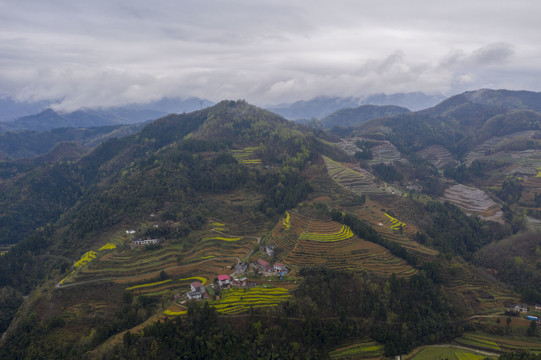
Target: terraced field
[(485, 295), (445, 352), (491, 144), (357, 181), (239, 300), (438, 156), (386, 226), (473, 201), (340, 250), (247, 155), (358, 350), (139, 269), (499, 343), (386, 153)]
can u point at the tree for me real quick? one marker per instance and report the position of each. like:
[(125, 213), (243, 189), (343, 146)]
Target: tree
[(532, 329)]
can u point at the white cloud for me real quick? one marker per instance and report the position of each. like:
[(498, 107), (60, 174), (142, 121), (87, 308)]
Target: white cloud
[(103, 53)]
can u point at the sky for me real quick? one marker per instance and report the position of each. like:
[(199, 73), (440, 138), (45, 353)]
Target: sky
[(104, 53)]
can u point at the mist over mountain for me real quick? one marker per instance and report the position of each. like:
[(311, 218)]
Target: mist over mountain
[(356, 116), (11, 109), (41, 116), (322, 106)]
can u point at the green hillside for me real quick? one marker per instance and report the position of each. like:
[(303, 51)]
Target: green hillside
[(377, 258)]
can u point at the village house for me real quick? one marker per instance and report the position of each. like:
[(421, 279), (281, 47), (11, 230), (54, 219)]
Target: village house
[(145, 242), (537, 307), (279, 267), (521, 308), (269, 249), (241, 267), (130, 232), (197, 286), (224, 280), (263, 265), (193, 295)]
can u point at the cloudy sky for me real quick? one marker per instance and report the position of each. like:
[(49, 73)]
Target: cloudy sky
[(106, 52)]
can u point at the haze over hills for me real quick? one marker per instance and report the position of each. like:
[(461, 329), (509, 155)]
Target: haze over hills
[(322, 106), (22, 116), (356, 116), (392, 216)]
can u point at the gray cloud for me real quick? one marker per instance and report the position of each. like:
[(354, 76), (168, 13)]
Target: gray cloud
[(104, 53)]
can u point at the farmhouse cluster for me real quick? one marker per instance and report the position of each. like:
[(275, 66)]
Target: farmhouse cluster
[(524, 308), (140, 242), (223, 281)]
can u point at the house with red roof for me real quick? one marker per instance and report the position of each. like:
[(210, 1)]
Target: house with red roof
[(196, 285), (263, 265), (279, 267), (223, 280)]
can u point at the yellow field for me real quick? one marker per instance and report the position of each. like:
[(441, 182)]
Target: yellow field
[(148, 285), (286, 222), (221, 238), (196, 278), (85, 259), (107, 246), (344, 233), (237, 300), (395, 223)]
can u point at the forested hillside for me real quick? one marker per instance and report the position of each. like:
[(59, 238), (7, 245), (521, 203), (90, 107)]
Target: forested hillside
[(232, 232)]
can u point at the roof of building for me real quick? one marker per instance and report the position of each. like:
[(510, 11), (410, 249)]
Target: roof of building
[(263, 262), (279, 265), (196, 284), (223, 277)]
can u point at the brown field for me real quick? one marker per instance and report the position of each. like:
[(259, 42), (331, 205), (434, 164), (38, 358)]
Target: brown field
[(439, 156)]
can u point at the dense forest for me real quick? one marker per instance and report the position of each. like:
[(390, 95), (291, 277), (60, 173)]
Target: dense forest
[(329, 307)]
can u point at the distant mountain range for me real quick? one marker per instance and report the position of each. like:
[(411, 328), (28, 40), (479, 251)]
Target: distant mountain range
[(40, 117), (322, 106), (351, 117)]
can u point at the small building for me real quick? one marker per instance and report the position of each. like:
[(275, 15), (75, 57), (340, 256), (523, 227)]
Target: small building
[(130, 232), (269, 249), (279, 267), (194, 295), (538, 307), (263, 265), (224, 280), (241, 267), (196, 285), (534, 318), (145, 242), (521, 308)]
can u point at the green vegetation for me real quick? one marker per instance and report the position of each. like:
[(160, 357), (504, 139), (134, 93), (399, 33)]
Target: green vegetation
[(237, 300), (372, 272), (450, 353), (365, 349)]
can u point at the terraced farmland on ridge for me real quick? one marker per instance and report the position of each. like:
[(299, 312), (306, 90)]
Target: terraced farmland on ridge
[(357, 181), (473, 201), (485, 295), (238, 300), (139, 269), (386, 225), (386, 153), (439, 156), (340, 250), (486, 149), (247, 155)]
